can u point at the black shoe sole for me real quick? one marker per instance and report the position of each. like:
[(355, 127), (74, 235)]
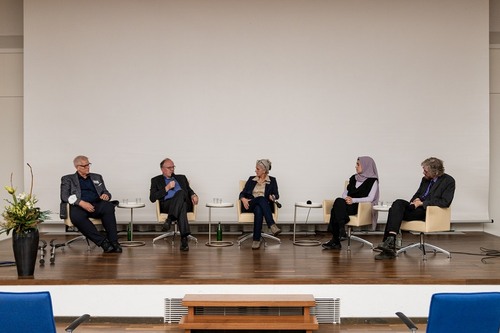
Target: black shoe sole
[(387, 250), (331, 247), (384, 256)]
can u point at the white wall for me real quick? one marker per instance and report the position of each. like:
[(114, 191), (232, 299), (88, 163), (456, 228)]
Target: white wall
[(494, 119), (11, 25), (148, 301), (216, 85), (11, 18), (11, 96)]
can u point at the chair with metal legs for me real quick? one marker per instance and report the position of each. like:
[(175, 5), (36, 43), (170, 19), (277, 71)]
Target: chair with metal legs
[(437, 219), (162, 217), (69, 224), (362, 218)]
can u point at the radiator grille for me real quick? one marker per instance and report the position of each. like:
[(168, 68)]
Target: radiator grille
[(174, 310), (327, 310)]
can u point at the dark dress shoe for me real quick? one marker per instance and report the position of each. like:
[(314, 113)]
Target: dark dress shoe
[(167, 225), (385, 255), (116, 246), (332, 245), (184, 244), (388, 246), (107, 247)]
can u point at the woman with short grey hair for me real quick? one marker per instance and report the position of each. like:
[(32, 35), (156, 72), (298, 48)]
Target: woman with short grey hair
[(258, 197)]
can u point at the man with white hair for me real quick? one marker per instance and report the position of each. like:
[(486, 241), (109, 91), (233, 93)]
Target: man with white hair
[(88, 197)]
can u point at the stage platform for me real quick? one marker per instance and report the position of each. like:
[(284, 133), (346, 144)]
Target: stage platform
[(141, 278)]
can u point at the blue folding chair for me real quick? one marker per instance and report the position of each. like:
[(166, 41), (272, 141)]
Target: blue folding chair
[(461, 312), (28, 312)]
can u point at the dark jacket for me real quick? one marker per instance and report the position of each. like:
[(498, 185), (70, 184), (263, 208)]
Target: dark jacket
[(441, 193), (271, 188), (70, 185), (157, 189)]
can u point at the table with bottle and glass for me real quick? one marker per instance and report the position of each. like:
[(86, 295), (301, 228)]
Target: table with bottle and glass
[(130, 242), (218, 242)]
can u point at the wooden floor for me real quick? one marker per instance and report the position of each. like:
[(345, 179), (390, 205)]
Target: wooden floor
[(276, 263), (173, 328), (282, 263)]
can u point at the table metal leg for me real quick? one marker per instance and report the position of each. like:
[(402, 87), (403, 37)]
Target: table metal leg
[(214, 243), (130, 236), (209, 225), (302, 242), (294, 222)]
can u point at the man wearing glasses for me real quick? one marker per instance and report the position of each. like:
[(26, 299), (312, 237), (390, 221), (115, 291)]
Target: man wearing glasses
[(176, 198), (88, 197)]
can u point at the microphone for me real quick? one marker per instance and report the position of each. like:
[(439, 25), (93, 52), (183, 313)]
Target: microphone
[(276, 201)]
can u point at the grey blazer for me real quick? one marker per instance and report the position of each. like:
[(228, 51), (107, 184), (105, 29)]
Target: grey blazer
[(70, 185)]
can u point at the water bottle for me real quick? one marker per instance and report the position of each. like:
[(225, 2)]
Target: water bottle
[(219, 232), (399, 240), (129, 232)]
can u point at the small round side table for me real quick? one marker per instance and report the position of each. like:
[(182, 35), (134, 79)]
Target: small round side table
[(130, 242), (211, 205), (304, 242)]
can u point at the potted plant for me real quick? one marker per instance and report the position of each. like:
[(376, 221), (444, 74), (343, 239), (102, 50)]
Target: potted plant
[(22, 216)]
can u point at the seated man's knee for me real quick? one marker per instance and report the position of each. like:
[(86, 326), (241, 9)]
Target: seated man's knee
[(108, 207), (399, 203)]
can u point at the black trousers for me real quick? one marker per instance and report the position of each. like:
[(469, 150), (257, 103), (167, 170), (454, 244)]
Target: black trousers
[(402, 210), (176, 208), (339, 217), (105, 211)]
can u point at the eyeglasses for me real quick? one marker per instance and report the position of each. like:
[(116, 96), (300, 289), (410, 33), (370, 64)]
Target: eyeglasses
[(85, 165), (170, 167)]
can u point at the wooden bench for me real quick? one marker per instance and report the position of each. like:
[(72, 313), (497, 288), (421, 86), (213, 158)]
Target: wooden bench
[(251, 321)]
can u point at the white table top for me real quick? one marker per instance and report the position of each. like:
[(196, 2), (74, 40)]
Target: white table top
[(384, 208), (306, 205), (131, 205), (219, 205)]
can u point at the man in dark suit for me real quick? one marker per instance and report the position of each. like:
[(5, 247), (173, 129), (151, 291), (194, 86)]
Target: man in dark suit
[(436, 189), (176, 198), (88, 197)]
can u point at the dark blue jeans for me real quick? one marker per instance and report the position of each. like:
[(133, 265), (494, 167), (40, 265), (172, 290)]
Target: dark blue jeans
[(261, 208)]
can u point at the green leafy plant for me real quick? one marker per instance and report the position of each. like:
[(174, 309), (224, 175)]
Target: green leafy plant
[(22, 213)]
